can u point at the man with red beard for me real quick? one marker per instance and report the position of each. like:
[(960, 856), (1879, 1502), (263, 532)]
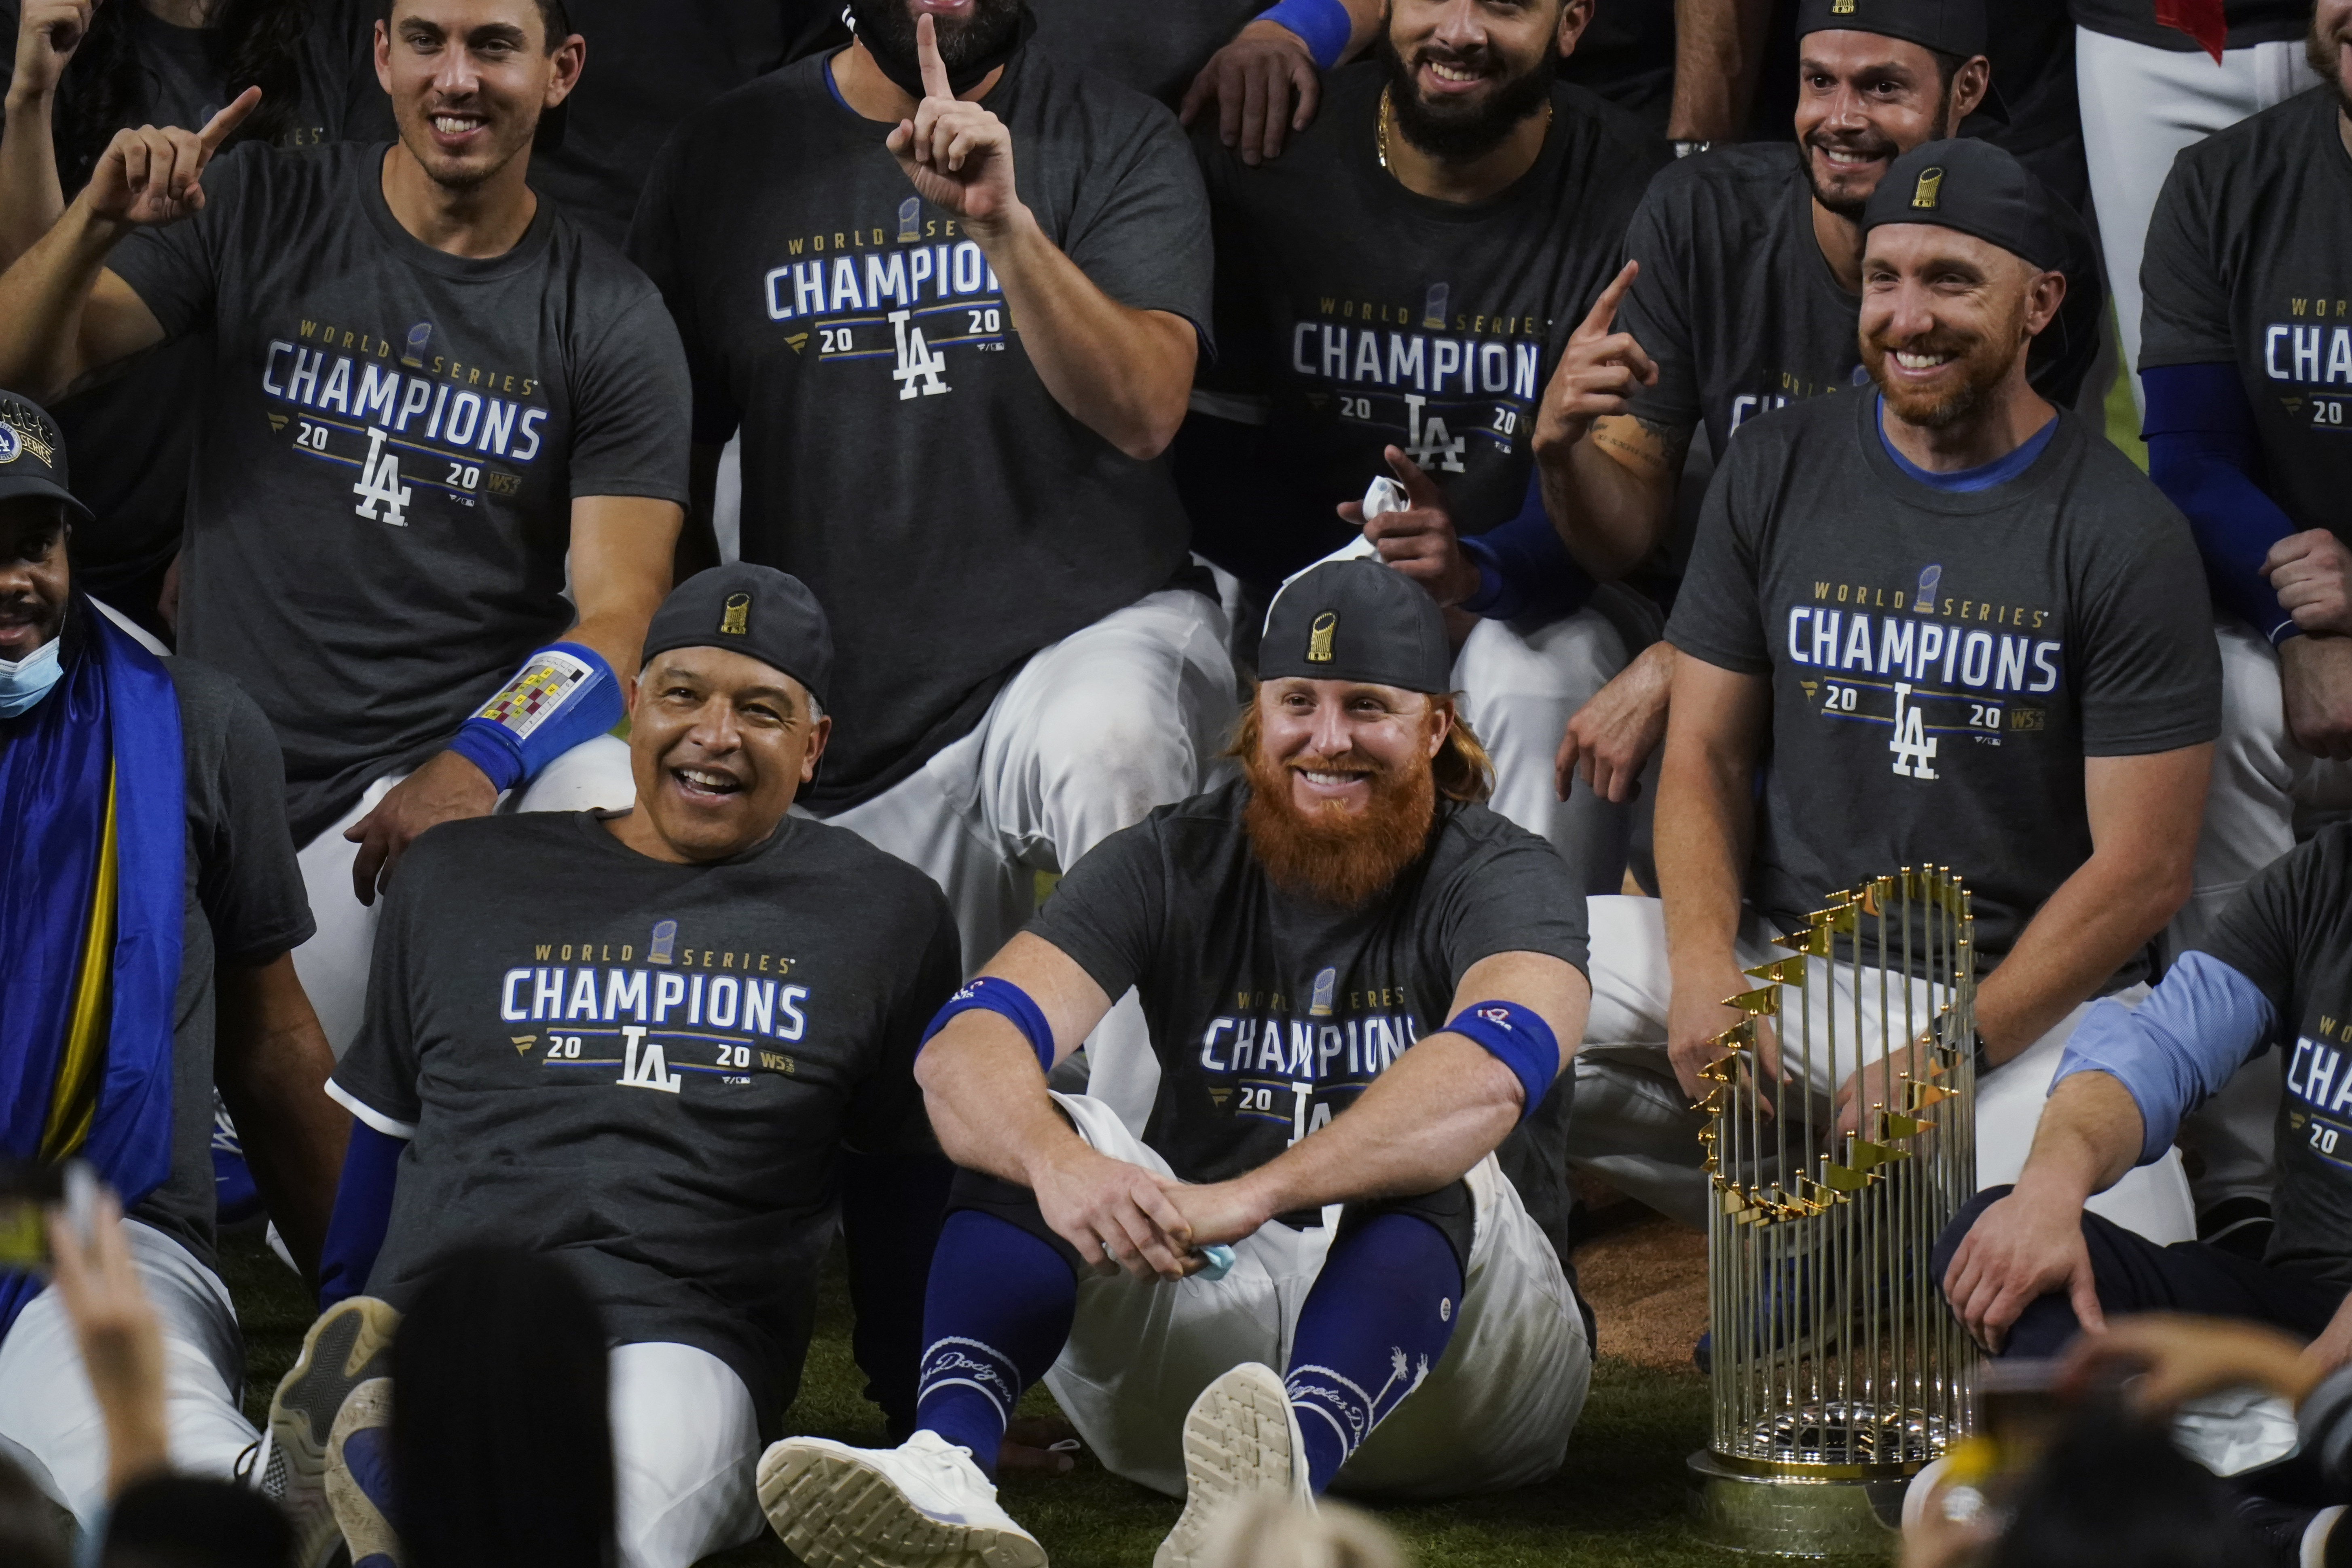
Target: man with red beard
[(1947, 624), (1317, 1186)]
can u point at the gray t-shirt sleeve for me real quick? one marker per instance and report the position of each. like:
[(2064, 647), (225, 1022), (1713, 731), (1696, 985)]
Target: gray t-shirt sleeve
[(886, 1113), (1718, 616), (2150, 675), (2259, 932), (2185, 303), (631, 411), (1141, 228), (176, 270), (379, 1072), (247, 879), (1654, 312), (1516, 897), (1106, 913)]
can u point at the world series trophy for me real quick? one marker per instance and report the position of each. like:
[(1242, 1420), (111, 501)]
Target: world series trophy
[(1837, 1370)]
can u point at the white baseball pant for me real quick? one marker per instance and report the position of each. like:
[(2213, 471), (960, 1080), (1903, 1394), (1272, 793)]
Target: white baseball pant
[(1495, 1412), (1634, 1127), (685, 1445)]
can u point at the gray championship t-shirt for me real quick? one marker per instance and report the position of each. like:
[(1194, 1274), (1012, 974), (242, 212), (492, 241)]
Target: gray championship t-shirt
[(2289, 930), (1156, 46), (2249, 262), (648, 1070), (1367, 315), (900, 454), (131, 466), (1941, 662), (1742, 314), (1270, 1013), (380, 505)]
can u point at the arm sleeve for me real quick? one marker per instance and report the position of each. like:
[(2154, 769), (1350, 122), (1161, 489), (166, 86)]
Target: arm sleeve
[(2203, 453), (248, 878), (2174, 1049), (376, 1080), (362, 1213), (2148, 675), (1520, 897), (1652, 311), (1106, 913), (630, 402), (1718, 618), (176, 270), (1141, 230), (660, 245), (1524, 569)]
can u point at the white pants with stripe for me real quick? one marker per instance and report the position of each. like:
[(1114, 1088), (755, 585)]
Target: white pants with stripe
[(1495, 1412)]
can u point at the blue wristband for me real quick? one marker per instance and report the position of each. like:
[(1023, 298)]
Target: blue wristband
[(989, 994), (1322, 25), (1519, 1039), (563, 694)]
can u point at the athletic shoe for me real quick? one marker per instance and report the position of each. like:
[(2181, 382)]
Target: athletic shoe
[(347, 1346), (359, 1475), (1240, 1437), (923, 1504)]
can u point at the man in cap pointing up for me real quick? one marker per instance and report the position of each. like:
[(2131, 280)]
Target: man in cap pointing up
[(1359, 981)]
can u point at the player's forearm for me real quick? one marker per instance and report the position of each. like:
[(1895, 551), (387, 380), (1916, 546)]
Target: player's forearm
[(1441, 1109), (271, 1063), (30, 196), (1610, 517), (2087, 1140), (1705, 816), (987, 1100), (1122, 373), (1719, 55), (42, 296)]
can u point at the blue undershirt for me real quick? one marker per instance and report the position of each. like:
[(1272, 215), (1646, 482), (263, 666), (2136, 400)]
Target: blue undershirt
[(1984, 475)]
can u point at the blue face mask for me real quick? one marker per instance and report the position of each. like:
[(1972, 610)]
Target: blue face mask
[(28, 680)]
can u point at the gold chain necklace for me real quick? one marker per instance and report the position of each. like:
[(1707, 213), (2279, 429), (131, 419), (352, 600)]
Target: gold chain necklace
[(1380, 140)]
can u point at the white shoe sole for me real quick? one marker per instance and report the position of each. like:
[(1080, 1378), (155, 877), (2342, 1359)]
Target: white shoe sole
[(836, 1510), (1239, 1438), (343, 1348), (363, 1524)]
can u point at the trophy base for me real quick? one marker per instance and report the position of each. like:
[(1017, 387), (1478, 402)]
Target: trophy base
[(1799, 1517)]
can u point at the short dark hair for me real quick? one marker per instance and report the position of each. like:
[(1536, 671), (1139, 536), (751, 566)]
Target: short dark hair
[(552, 16)]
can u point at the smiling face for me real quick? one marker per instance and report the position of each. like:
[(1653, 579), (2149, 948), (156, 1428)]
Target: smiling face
[(1947, 318), (34, 577), (1341, 789), (1863, 101), (469, 80), (718, 744), (2328, 46), (1463, 73)]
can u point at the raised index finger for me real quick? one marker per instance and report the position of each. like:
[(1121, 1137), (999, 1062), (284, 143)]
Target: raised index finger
[(1604, 314), (222, 126), (926, 52)]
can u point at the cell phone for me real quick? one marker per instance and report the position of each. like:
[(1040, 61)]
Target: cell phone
[(27, 1191)]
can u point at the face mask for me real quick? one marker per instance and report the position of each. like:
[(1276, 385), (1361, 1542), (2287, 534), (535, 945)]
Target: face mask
[(27, 680)]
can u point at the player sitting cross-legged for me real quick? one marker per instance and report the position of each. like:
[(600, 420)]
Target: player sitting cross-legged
[(667, 1045), (1291, 937)]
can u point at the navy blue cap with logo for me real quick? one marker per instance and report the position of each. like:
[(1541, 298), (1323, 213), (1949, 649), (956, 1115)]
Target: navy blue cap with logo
[(33, 455), (744, 608), (1976, 188), (1361, 621)]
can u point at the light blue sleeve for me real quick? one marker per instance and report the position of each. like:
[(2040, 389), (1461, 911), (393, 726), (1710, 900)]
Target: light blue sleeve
[(2195, 1030)]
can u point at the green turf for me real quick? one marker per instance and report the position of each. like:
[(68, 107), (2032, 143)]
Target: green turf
[(1621, 1498)]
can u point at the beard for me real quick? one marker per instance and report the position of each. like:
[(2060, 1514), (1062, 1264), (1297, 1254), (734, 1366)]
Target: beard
[(1984, 364), (1869, 143), (1337, 857), (888, 26), (2321, 50), (1463, 132)]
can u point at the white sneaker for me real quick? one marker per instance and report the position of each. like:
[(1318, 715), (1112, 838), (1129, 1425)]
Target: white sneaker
[(923, 1504), (1240, 1437), (346, 1347)]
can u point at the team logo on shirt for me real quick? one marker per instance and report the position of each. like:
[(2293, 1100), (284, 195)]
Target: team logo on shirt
[(2320, 1077), (2301, 352), (869, 298), (726, 1015), (1269, 1060)]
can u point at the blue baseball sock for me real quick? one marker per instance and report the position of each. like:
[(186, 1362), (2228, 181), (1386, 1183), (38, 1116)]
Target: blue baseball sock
[(995, 1314), (1376, 1321)]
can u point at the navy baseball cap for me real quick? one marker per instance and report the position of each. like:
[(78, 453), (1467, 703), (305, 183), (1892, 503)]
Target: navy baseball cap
[(1357, 620), (33, 455), (749, 609), (1976, 188), (1947, 27)]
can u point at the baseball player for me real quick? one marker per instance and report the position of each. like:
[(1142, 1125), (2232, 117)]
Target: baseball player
[(1297, 937), (432, 402), (1029, 659), (1392, 293), (668, 1045), (146, 921), (1949, 625)]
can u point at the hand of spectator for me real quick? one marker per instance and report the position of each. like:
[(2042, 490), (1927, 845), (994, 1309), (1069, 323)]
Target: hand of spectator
[(1044, 1444), (1117, 1215), (1218, 1210), (2333, 1348), (2171, 1357), (48, 34), (1610, 739), (957, 154), (445, 788), (1254, 79), (2022, 1247), (1597, 372), (1419, 541), (121, 1340), (147, 177), (2315, 681), (2308, 572), (1696, 1014)]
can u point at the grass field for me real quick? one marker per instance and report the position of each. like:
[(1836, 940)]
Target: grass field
[(1621, 1500)]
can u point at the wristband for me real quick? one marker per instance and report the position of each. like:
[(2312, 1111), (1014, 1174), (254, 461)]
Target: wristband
[(1519, 1039), (989, 994), (563, 694), (1323, 25)]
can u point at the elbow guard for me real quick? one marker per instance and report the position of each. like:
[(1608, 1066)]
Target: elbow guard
[(563, 694), (1519, 1038)]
